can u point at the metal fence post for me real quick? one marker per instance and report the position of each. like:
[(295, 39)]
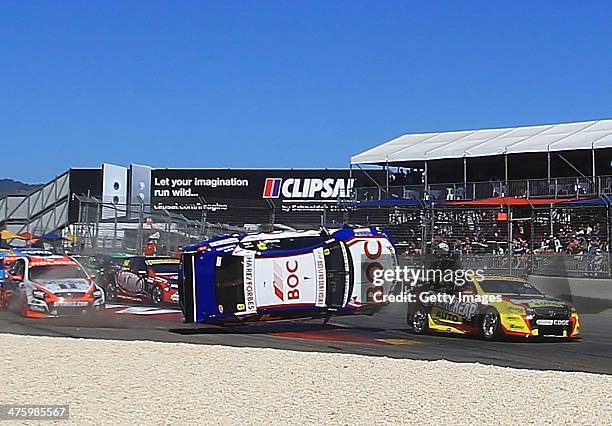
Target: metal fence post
[(527, 193), (324, 216), (609, 235), (115, 225), (510, 240), (94, 242), (532, 240), (139, 234), (423, 212), (272, 216)]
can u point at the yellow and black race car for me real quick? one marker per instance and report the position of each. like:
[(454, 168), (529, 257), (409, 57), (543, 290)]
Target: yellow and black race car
[(492, 307)]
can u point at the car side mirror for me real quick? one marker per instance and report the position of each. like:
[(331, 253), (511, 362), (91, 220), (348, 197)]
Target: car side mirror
[(17, 278), (92, 276)]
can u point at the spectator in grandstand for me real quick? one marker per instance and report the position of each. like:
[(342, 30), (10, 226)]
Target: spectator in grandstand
[(412, 250), (499, 249), (150, 249), (413, 177), (551, 244), (520, 246), (593, 246), (480, 245), (496, 186), (393, 179), (574, 247)]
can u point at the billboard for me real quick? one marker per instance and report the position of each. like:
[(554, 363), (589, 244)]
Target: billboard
[(114, 188), (140, 189), (191, 192)]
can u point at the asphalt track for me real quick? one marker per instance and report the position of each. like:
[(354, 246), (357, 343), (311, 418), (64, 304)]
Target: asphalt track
[(384, 334)]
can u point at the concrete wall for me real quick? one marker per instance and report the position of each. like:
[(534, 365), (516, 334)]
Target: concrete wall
[(589, 295)]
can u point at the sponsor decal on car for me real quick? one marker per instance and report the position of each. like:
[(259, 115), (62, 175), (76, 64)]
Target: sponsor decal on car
[(552, 322), (249, 287), (293, 279), (152, 262), (52, 262), (232, 240), (69, 303), (320, 276)]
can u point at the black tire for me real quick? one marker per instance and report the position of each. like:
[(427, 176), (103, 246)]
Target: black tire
[(156, 295), (20, 304), (3, 301), (419, 321), (15, 303), (490, 325)]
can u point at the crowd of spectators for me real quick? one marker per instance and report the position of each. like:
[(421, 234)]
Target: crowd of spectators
[(584, 239), (406, 177)]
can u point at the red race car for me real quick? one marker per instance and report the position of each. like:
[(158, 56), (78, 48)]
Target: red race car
[(49, 286), (147, 280)]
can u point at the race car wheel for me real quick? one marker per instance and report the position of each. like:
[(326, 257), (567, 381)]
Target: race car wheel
[(491, 325), (3, 302), (419, 321), (156, 295), (23, 306), (17, 303)]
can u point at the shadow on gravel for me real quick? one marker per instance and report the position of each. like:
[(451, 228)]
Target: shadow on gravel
[(94, 320), (266, 328), (504, 339)]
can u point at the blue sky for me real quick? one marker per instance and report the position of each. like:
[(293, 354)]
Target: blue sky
[(283, 84)]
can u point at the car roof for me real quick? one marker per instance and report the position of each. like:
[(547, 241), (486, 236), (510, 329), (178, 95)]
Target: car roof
[(504, 277), (49, 260), (54, 257), (161, 259), (121, 256), (152, 257)]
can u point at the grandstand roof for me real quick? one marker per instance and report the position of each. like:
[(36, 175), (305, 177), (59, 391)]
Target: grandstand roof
[(486, 142)]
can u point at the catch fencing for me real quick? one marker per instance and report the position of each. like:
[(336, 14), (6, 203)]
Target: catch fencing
[(546, 240), (106, 227)]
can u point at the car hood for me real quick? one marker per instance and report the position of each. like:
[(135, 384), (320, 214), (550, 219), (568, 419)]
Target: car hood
[(65, 285), (535, 301)]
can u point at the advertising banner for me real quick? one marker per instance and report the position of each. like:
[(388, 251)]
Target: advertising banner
[(190, 192)]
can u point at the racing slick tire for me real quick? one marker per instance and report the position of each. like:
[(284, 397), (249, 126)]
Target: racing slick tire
[(157, 296), (18, 303), (419, 321), (490, 325)]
